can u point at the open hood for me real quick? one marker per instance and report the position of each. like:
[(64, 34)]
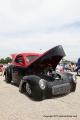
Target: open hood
[(50, 58)]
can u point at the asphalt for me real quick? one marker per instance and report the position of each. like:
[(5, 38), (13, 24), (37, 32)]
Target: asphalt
[(17, 106)]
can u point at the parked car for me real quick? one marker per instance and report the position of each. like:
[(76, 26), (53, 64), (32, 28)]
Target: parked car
[(1, 66), (35, 74), (1, 69), (78, 67)]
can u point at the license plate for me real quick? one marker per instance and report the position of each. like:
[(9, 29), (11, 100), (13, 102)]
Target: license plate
[(61, 89)]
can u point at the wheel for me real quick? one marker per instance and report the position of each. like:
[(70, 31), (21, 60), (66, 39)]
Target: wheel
[(33, 92), (7, 77), (73, 88), (78, 72), (30, 86), (28, 89)]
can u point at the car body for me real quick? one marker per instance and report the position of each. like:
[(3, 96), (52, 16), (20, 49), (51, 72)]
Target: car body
[(78, 67), (38, 77)]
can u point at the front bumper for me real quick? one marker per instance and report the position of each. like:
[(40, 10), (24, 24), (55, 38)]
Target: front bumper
[(59, 89)]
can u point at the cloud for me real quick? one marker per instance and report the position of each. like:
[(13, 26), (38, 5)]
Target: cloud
[(31, 25), (37, 14), (45, 41)]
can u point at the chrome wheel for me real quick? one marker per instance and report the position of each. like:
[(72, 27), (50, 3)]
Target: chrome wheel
[(28, 89)]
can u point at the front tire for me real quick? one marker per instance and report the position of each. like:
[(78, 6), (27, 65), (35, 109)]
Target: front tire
[(34, 92), (73, 88), (30, 86)]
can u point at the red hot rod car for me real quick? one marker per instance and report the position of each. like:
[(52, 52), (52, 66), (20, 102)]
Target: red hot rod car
[(35, 74)]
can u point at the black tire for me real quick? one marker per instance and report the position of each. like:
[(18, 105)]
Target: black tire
[(73, 88), (22, 88), (30, 92), (78, 72), (34, 92), (7, 77), (31, 87)]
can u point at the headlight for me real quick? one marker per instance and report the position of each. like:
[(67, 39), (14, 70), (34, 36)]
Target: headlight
[(74, 79), (42, 84)]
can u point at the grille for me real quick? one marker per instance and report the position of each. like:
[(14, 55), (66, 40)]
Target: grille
[(61, 89)]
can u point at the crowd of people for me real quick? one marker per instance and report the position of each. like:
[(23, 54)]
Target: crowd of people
[(60, 68), (2, 69)]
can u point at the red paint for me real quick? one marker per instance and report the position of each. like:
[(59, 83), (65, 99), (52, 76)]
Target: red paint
[(23, 58)]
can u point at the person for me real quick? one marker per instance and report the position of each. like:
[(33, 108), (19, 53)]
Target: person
[(4, 67), (72, 67)]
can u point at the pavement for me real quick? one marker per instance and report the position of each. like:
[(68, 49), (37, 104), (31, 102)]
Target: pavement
[(17, 106)]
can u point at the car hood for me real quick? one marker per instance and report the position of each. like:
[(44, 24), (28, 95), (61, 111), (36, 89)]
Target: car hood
[(50, 58)]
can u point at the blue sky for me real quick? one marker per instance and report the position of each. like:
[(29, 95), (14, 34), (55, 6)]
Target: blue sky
[(31, 25)]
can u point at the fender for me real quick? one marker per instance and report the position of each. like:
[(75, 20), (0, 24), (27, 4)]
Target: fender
[(32, 79)]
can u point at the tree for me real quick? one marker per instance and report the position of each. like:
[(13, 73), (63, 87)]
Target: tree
[(2, 61), (6, 60)]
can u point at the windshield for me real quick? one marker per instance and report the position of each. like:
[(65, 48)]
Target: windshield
[(31, 58)]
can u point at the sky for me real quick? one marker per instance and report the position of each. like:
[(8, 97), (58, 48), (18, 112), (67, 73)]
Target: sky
[(38, 25)]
